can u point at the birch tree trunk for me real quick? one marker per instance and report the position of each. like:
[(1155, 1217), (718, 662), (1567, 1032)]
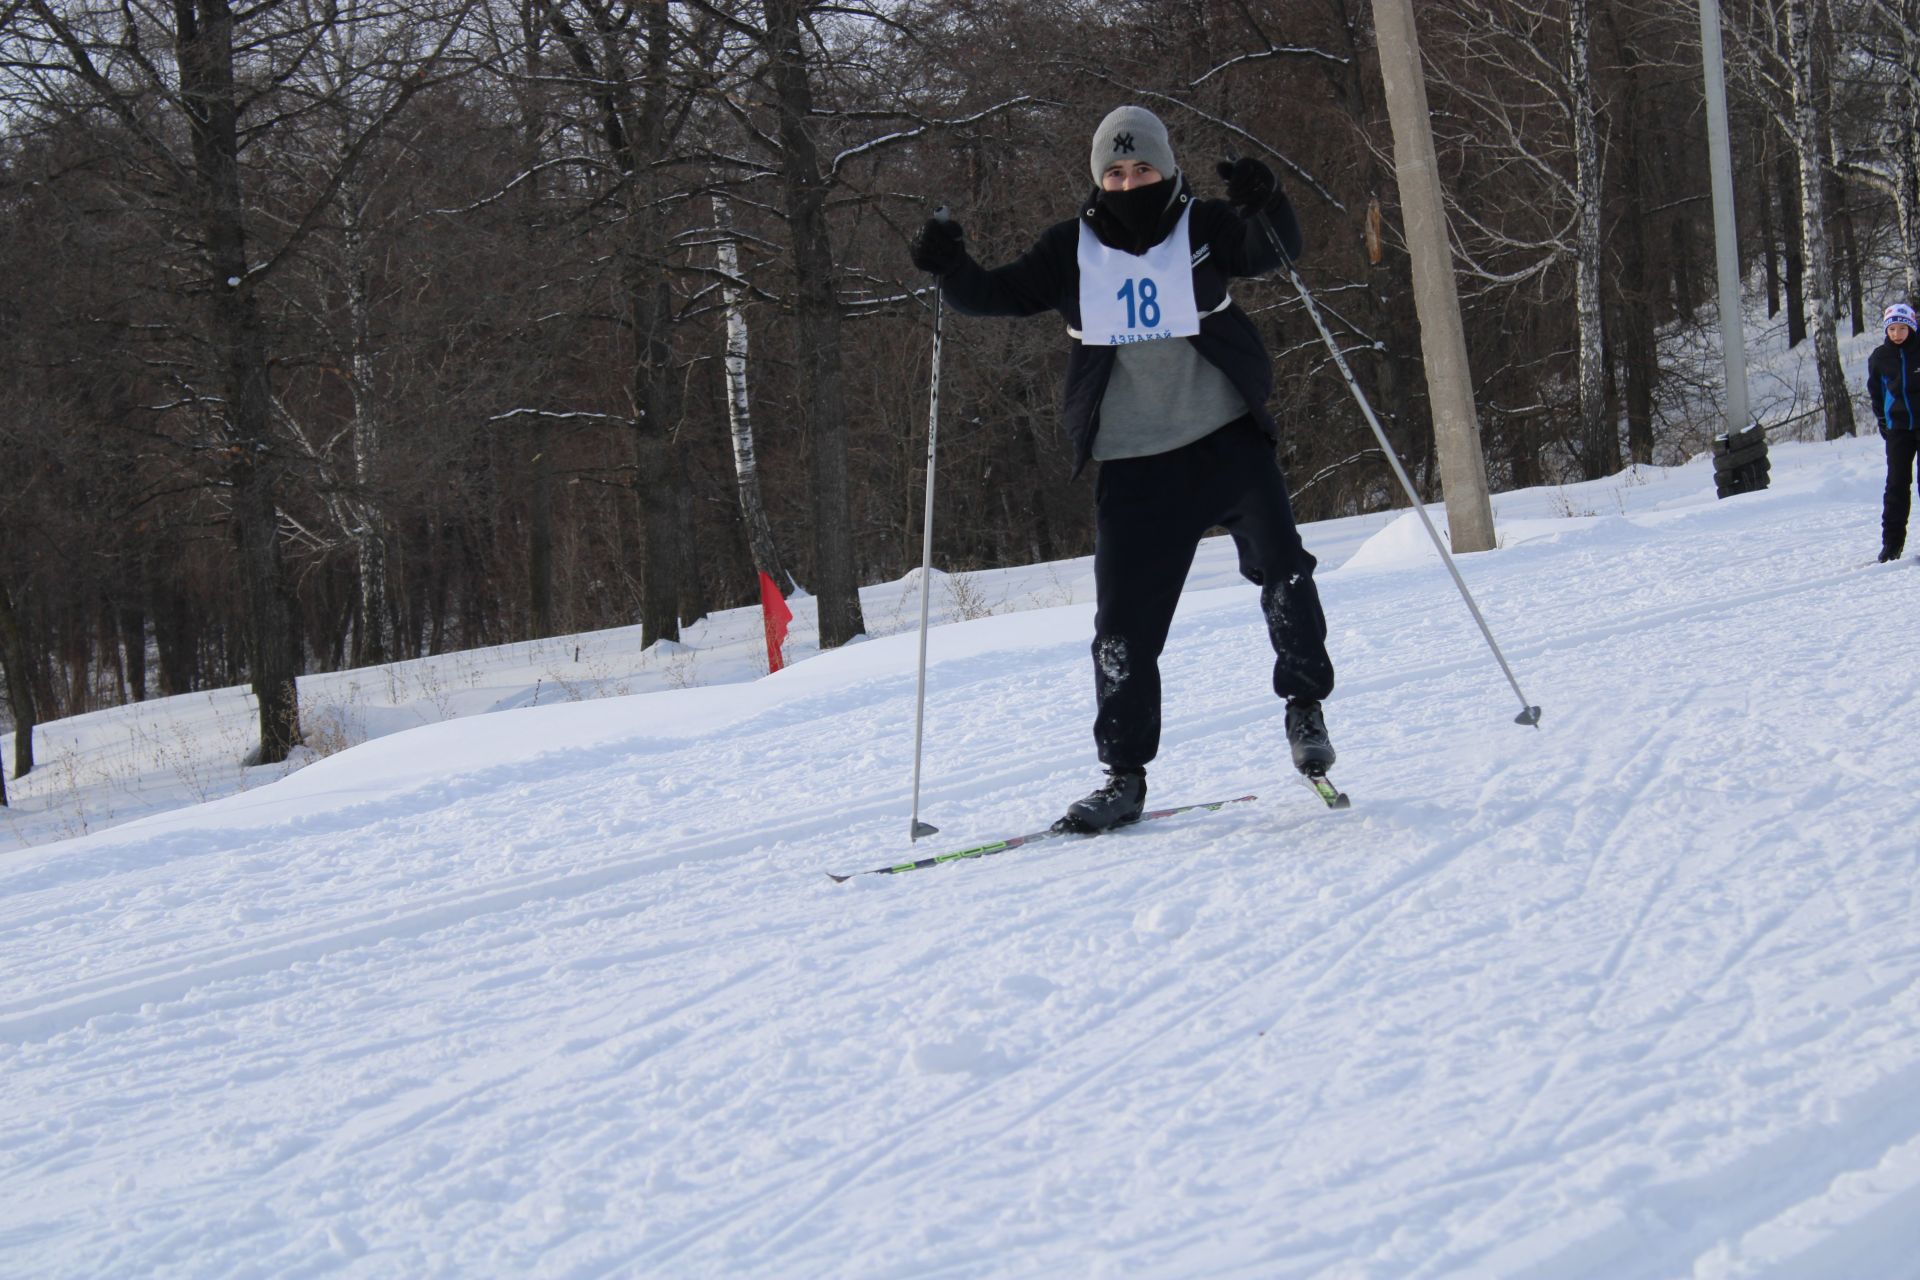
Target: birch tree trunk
[(132, 620), (373, 639), (1769, 242), (363, 524), (746, 466), (1907, 159), (1809, 149), (1903, 137), (1599, 437), (1894, 167), (1635, 333), (817, 312)]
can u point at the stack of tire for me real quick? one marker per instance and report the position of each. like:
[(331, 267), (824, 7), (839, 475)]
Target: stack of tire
[(1740, 462)]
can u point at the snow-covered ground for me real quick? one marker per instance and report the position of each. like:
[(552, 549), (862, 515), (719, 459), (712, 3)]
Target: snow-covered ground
[(529, 967), (562, 990)]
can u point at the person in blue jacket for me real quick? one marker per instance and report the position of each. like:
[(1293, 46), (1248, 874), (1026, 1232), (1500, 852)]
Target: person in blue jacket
[(1167, 384), (1893, 385)]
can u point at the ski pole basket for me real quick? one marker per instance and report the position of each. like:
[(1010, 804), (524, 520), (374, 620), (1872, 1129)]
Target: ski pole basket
[(1740, 461)]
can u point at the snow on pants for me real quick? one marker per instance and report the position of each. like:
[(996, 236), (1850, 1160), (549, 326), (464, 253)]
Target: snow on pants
[(1901, 447), (1150, 516)]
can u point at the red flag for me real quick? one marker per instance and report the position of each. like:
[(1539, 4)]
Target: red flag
[(774, 612)]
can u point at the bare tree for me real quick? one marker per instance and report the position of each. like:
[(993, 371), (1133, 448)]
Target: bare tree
[(1382, 350), (217, 84), (805, 186), (1883, 153), (1597, 427), (1523, 69), (353, 101), (1780, 55), (639, 70), (1810, 139), (1633, 333)]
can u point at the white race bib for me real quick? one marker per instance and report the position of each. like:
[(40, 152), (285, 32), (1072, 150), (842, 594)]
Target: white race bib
[(1137, 297)]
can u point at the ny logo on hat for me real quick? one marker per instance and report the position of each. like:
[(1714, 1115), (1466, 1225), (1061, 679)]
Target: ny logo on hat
[(1123, 142)]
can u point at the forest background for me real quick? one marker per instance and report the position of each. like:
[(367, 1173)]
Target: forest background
[(343, 331)]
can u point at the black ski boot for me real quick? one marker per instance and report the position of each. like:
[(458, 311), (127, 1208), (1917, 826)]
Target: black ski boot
[(1120, 800), (1889, 553), (1307, 735)]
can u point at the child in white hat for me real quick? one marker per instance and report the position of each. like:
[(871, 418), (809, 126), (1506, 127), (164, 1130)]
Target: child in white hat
[(1893, 386)]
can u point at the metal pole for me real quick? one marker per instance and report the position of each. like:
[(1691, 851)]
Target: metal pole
[(1529, 712), (926, 553), (1725, 242)]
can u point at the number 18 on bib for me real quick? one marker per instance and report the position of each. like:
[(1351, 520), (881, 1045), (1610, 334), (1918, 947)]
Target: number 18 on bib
[(1136, 297)]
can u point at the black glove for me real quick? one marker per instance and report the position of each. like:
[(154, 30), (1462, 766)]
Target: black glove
[(940, 247), (1250, 184)]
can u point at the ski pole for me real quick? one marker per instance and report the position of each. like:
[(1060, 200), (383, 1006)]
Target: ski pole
[(926, 552), (1529, 712)]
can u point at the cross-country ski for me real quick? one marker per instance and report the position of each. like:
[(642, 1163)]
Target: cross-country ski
[(1053, 832)]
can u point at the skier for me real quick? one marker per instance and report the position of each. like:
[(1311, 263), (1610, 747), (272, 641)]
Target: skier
[(1166, 387), (1893, 385)]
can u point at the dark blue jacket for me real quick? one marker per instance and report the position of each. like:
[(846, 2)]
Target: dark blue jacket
[(1893, 383), (1047, 278)]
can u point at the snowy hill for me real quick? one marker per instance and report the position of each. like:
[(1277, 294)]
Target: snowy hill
[(562, 991)]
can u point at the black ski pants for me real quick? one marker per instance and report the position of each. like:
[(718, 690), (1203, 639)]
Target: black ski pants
[(1150, 516), (1901, 447)]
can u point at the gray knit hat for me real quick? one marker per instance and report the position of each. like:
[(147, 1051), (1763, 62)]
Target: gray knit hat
[(1132, 133)]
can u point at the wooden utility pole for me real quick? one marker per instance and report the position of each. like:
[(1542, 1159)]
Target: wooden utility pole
[(1443, 340)]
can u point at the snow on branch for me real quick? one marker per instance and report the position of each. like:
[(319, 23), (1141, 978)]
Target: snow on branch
[(553, 415), (1327, 472), (582, 160), (1272, 51), (931, 126)]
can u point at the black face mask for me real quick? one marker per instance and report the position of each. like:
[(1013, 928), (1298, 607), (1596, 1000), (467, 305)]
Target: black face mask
[(1138, 212)]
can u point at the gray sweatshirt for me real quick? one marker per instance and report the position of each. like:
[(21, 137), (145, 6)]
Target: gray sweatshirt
[(1162, 395)]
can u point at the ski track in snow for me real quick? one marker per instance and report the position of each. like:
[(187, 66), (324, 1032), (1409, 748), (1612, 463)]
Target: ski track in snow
[(1636, 994)]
